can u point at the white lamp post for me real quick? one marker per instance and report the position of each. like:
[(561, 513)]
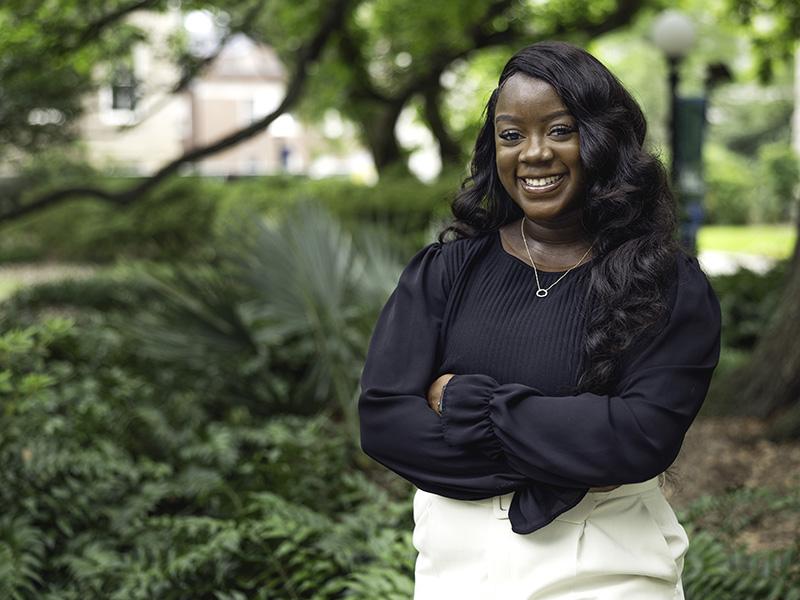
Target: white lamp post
[(674, 34)]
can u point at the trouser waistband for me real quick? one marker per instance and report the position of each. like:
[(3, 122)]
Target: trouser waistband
[(629, 489), (501, 503)]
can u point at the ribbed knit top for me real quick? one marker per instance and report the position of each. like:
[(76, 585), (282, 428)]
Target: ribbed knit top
[(523, 338), (510, 420)]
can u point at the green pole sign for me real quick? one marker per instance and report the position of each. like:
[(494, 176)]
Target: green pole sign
[(690, 122)]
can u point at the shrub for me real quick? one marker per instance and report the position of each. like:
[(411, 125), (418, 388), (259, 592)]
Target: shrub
[(748, 301), (743, 190), (133, 474), (779, 171), (169, 222), (731, 188), (718, 567), (117, 290), (115, 486), (284, 313), (179, 217), (401, 207)]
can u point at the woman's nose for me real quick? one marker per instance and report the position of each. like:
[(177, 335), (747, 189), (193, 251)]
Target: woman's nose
[(535, 150)]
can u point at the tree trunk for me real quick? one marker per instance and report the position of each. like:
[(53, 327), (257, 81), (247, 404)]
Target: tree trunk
[(449, 149), (380, 136), (795, 264), (768, 386)]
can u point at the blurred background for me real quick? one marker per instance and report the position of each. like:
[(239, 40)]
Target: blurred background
[(203, 206)]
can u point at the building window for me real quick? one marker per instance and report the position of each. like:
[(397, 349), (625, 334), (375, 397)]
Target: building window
[(123, 89)]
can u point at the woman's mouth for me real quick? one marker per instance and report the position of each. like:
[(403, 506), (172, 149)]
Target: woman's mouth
[(541, 185)]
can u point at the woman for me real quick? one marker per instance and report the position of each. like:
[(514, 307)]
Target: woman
[(534, 377)]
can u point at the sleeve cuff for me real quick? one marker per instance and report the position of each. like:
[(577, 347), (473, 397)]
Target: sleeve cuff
[(465, 414)]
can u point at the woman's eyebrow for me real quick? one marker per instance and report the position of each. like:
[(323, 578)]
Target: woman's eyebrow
[(547, 117)]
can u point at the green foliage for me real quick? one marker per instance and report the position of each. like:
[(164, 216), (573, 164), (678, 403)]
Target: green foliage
[(744, 115), (716, 567), (762, 189), (770, 241), (66, 166), (110, 492), (394, 51), (171, 222), (775, 28), (731, 188), (22, 551), (779, 169), (713, 571), (105, 291), (55, 32), (750, 116), (728, 514), (57, 51), (402, 206), (274, 313), (116, 486), (179, 219), (284, 312), (748, 301), (132, 474)]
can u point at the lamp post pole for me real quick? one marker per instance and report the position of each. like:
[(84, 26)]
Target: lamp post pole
[(674, 34), (673, 62)]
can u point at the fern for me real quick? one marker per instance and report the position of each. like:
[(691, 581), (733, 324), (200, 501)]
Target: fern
[(135, 475), (22, 552), (716, 568), (713, 570)]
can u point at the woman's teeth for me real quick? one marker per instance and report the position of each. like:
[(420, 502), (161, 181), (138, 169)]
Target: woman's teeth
[(541, 181)]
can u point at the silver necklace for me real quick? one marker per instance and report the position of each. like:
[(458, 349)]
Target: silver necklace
[(540, 291)]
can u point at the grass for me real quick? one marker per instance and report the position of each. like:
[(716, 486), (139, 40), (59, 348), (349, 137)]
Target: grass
[(13, 277), (775, 241), (8, 287)]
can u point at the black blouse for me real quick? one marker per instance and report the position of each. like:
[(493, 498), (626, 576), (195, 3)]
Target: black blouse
[(509, 420)]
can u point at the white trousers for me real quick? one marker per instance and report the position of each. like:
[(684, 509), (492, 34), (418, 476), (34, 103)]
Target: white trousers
[(625, 544)]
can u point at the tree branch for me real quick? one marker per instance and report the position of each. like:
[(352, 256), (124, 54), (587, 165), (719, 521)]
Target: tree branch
[(449, 149), (428, 83), (310, 52), (352, 54), (194, 70), (95, 28)]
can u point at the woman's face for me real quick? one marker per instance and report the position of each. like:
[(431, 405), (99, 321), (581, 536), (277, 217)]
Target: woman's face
[(537, 150)]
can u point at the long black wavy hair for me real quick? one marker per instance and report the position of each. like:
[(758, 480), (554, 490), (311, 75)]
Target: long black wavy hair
[(629, 209)]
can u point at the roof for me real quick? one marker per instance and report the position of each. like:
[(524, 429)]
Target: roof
[(243, 58)]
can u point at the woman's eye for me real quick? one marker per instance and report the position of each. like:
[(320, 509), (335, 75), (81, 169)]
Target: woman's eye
[(562, 130), (510, 135)]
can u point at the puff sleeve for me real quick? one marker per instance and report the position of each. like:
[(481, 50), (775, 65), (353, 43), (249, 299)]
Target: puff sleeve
[(595, 440), (398, 428)]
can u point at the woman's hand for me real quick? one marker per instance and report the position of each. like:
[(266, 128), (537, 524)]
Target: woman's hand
[(435, 391), (435, 399)]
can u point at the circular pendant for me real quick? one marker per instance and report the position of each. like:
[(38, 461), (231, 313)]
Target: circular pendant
[(541, 293)]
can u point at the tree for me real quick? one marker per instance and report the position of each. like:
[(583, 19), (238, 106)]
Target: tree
[(49, 50), (385, 54), (393, 51), (12, 207), (774, 30), (768, 385)]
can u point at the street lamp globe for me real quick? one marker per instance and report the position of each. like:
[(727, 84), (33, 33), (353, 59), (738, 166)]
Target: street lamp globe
[(674, 33)]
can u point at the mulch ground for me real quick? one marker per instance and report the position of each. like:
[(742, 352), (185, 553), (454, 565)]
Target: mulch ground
[(720, 455)]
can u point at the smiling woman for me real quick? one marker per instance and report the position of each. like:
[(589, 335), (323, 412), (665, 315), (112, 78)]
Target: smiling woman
[(535, 376), (538, 151)]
